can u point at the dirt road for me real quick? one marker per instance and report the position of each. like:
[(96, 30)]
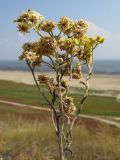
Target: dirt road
[(98, 118)]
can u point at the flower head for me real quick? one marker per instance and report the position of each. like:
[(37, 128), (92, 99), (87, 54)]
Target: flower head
[(30, 46), (47, 45), (83, 24), (23, 28), (64, 83), (68, 100), (76, 75), (99, 39), (29, 56), (28, 20), (80, 29), (48, 26), (65, 25), (67, 45), (68, 105), (78, 32), (30, 53), (43, 78)]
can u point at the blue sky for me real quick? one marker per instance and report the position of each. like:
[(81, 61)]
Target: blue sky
[(103, 16)]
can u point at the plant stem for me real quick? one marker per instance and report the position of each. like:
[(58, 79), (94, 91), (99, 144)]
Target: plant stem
[(60, 139), (33, 74)]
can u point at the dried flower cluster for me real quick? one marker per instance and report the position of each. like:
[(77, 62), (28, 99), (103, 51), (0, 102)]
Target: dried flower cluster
[(68, 44), (71, 42), (72, 38)]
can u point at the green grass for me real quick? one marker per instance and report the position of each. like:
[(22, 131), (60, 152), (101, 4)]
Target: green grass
[(29, 94), (20, 92), (100, 105)]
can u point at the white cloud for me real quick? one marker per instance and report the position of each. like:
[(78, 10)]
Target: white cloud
[(96, 30), (110, 49)]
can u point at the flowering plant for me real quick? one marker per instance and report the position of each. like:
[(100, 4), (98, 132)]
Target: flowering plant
[(62, 43)]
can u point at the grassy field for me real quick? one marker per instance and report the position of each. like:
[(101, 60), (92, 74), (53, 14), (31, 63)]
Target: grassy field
[(29, 94), (29, 135)]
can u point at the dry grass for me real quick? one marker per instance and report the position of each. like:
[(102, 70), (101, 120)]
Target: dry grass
[(32, 140)]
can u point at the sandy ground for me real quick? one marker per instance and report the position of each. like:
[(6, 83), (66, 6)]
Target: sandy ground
[(98, 82)]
